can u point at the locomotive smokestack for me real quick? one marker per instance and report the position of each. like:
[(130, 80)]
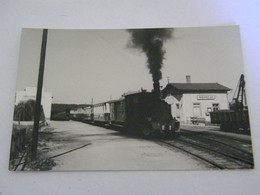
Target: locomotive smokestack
[(150, 41), (156, 89)]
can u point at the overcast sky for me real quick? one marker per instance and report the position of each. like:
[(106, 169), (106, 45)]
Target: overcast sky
[(85, 64)]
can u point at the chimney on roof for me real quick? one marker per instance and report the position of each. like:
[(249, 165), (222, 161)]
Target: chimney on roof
[(188, 79)]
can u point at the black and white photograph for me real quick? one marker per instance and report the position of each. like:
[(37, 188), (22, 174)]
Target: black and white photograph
[(131, 99)]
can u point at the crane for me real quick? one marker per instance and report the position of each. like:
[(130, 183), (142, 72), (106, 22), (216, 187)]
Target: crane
[(239, 98)]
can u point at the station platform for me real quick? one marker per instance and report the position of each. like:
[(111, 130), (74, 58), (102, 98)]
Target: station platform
[(214, 130)]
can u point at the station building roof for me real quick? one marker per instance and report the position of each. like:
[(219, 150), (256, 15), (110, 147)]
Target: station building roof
[(179, 88)]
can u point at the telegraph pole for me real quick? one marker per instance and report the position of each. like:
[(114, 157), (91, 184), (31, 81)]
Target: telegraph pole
[(37, 111)]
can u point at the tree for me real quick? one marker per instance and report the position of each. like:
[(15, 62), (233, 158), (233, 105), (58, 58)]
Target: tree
[(24, 111)]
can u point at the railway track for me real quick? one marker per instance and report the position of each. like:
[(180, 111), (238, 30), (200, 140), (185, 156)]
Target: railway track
[(216, 136), (239, 145), (224, 150), (20, 165), (213, 156), (218, 152)]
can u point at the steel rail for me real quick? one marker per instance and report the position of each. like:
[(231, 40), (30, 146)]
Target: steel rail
[(20, 160), (195, 155), (219, 135), (218, 152), (221, 142)]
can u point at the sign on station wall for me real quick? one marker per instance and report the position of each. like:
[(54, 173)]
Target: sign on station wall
[(206, 97)]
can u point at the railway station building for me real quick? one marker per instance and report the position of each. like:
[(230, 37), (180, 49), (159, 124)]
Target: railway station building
[(191, 103), (29, 93)]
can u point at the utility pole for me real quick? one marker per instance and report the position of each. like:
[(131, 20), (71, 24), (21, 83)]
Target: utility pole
[(92, 110), (37, 110)]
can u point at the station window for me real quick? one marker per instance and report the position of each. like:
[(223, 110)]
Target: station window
[(178, 110), (196, 110), (215, 106)]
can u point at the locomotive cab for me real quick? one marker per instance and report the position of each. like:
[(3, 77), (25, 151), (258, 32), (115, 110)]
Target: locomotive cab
[(149, 115)]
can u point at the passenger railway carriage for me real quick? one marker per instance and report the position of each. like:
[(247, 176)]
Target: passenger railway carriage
[(101, 112), (141, 112)]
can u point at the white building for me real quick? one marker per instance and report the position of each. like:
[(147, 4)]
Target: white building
[(192, 102), (81, 110), (29, 93)]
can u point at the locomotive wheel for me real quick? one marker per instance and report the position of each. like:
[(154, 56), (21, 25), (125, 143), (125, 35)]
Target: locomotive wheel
[(224, 127), (174, 135), (146, 131)]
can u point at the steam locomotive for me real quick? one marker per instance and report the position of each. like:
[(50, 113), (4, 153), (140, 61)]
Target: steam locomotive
[(142, 112)]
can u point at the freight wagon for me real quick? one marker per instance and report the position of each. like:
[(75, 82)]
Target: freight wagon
[(237, 117), (231, 120)]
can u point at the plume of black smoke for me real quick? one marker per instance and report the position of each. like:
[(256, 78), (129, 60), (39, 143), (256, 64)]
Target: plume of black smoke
[(150, 41)]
